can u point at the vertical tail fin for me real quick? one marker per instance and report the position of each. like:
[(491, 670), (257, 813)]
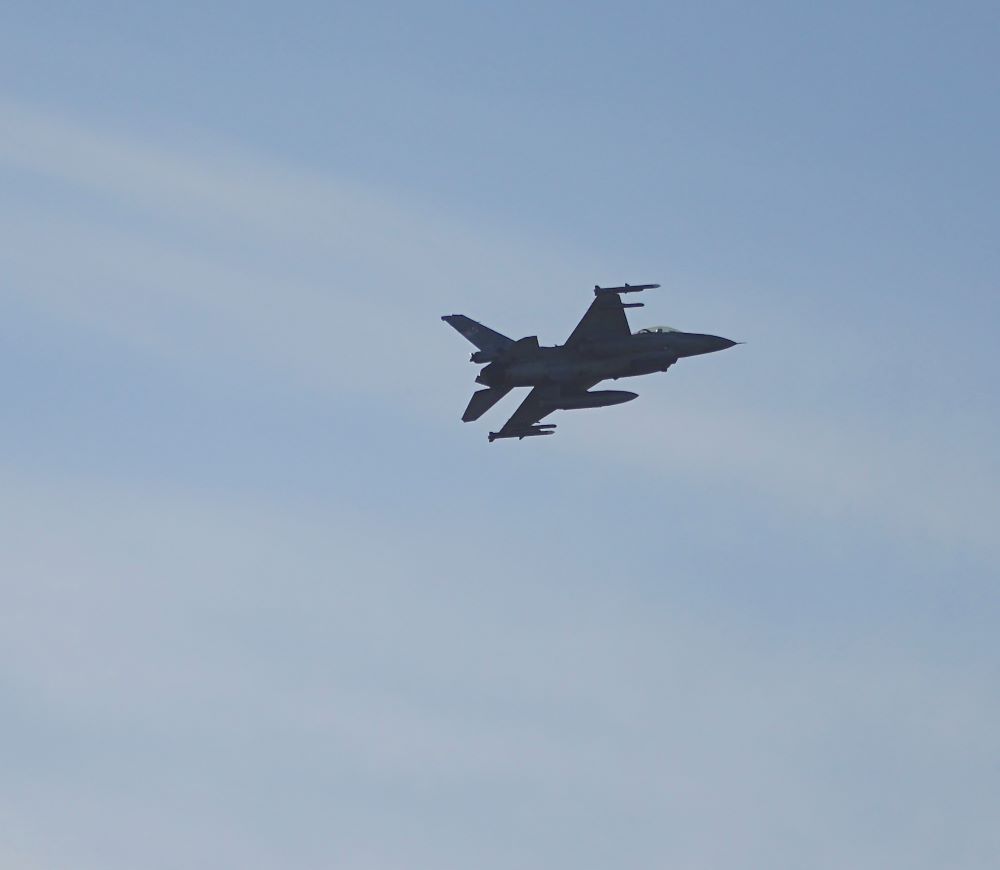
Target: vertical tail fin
[(481, 336)]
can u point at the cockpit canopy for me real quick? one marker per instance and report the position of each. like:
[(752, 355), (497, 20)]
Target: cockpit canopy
[(650, 329)]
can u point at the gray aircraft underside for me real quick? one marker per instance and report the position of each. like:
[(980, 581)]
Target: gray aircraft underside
[(601, 347)]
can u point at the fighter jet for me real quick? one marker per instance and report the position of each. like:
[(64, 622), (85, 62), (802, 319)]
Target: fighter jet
[(601, 347)]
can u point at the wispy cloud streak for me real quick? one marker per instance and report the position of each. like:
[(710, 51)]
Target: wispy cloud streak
[(328, 292)]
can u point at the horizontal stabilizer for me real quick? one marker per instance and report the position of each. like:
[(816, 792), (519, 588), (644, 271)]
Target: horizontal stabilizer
[(482, 401)]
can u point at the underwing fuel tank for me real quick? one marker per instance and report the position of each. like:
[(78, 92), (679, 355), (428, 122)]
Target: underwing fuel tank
[(594, 399)]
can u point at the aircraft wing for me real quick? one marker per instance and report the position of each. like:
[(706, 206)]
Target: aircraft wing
[(605, 319), (538, 404), (532, 409)]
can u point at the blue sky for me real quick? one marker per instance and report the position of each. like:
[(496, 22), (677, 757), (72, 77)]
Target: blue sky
[(269, 603)]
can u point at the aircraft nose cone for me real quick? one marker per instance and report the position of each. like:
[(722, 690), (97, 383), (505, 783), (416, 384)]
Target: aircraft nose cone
[(711, 343)]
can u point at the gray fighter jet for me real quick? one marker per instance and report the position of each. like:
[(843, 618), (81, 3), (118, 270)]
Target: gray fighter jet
[(602, 346)]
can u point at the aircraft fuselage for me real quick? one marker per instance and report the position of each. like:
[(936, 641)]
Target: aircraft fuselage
[(639, 354)]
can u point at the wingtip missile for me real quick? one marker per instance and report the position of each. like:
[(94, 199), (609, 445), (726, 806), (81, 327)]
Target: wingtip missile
[(527, 432), (625, 288)]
